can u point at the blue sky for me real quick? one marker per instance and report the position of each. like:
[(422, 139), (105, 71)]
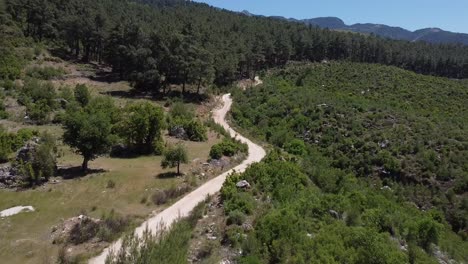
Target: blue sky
[(410, 14)]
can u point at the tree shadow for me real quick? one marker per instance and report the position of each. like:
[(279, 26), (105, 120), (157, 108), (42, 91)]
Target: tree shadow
[(167, 175), (193, 98), (69, 173), (106, 76)]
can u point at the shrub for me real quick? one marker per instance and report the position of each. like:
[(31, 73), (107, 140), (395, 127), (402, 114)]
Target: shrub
[(42, 164), (82, 94), (235, 217), (39, 112), (110, 184), (34, 91), (228, 147), (296, 147), (196, 131), (182, 116), (162, 196), (3, 112), (241, 202), (10, 142), (159, 197), (45, 73), (83, 231), (10, 66)]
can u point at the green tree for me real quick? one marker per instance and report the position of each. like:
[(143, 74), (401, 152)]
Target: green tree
[(88, 131), (174, 156)]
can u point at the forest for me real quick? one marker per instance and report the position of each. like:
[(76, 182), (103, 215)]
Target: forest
[(144, 43)]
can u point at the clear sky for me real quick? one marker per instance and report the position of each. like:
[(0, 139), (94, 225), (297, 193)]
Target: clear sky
[(449, 15)]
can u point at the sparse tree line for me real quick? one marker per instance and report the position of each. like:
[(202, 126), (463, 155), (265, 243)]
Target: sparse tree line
[(157, 43)]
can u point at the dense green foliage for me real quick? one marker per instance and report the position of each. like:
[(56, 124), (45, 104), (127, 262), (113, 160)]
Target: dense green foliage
[(228, 147), (40, 100), (41, 163), (89, 130), (141, 126), (82, 94), (183, 116), (11, 61), (166, 246), (296, 222), (11, 142), (381, 122), (157, 42)]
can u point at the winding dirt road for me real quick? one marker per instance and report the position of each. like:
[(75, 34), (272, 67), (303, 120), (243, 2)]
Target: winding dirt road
[(184, 206)]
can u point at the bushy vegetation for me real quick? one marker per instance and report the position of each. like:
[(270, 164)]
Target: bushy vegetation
[(162, 196), (395, 127), (296, 222), (141, 127), (228, 147), (108, 229), (41, 163), (11, 142), (45, 72), (183, 117), (166, 246), (82, 94), (40, 100)]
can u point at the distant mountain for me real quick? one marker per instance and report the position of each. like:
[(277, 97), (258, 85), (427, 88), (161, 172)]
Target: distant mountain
[(431, 35)]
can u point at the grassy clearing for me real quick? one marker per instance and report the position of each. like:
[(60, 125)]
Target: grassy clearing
[(122, 185), (26, 237)]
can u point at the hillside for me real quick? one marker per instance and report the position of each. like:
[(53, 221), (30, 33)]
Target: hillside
[(368, 166), (387, 125)]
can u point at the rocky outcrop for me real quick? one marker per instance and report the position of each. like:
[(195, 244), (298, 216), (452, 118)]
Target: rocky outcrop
[(72, 230), (178, 131), (10, 175)]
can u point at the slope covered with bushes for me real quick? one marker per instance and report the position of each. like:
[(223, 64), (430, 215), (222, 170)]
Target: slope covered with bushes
[(384, 124)]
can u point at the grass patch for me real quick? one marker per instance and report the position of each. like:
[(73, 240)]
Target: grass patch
[(24, 236)]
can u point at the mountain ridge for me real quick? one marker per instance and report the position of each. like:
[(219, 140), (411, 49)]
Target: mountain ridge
[(430, 35)]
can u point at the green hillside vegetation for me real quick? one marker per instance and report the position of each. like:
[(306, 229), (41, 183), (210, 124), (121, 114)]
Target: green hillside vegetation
[(296, 222), (154, 43), (389, 126)]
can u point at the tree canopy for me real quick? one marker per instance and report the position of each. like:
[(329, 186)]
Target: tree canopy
[(154, 43)]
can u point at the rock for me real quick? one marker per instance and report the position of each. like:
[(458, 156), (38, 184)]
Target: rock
[(220, 163), (247, 227), (26, 153), (334, 213), (178, 132), (386, 188), (243, 184), (62, 101), (62, 233)]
